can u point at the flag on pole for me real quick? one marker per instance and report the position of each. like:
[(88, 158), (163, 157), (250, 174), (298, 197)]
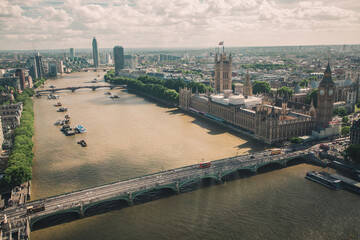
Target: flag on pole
[(221, 43)]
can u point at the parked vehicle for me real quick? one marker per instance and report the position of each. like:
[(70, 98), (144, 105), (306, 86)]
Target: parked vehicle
[(205, 165), (35, 209)]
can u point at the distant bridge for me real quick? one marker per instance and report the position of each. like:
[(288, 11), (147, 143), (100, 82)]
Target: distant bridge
[(73, 89), (97, 69), (85, 202)]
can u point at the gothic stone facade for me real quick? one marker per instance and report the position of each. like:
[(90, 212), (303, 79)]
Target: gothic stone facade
[(223, 72), (268, 123)]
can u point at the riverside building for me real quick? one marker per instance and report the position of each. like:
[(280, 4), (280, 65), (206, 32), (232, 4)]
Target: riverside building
[(251, 114)]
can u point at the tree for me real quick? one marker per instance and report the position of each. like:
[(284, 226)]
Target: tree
[(345, 119), (341, 111), (353, 152), (312, 96), (296, 140), (260, 87), (345, 130), (17, 174), (285, 91)]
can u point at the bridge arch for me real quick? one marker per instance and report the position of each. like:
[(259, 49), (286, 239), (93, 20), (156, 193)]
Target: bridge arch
[(158, 190), (295, 160), (250, 170), (55, 218), (193, 180), (277, 164), (105, 206)]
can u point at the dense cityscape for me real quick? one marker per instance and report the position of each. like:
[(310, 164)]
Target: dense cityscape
[(211, 134)]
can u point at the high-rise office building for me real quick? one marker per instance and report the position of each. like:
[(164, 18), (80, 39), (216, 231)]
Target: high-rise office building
[(118, 59), (39, 66), (130, 61), (60, 66), (20, 73), (72, 52), (95, 53), (32, 68)]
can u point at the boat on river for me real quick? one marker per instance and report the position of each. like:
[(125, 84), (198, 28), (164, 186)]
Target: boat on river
[(107, 93), (51, 96), (62, 109), (325, 179), (58, 104), (58, 122), (114, 96), (82, 143), (80, 129)]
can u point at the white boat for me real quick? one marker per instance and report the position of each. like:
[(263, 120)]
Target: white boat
[(58, 122), (114, 96), (80, 128)]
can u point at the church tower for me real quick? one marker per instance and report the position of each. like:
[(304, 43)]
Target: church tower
[(325, 106), (247, 86), (223, 72)]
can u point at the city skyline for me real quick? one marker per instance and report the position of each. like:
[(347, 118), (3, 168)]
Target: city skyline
[(177, 24)]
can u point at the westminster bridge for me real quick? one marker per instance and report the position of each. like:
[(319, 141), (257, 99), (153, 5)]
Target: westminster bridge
[(73, 89), (86, 202)]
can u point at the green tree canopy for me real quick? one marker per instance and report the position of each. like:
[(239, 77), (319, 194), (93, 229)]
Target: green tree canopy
[(345, 130), (353, 152), (17, 174), (313, 95), (341, 111), (285, 91), (296, 140), (260, 87)]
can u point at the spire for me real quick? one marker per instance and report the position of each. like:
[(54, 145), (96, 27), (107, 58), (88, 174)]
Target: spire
[(327, 74)]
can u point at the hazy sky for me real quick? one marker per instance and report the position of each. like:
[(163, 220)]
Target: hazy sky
[(176, 23)]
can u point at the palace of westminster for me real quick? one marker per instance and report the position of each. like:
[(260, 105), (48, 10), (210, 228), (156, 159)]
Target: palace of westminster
[(265, 117)]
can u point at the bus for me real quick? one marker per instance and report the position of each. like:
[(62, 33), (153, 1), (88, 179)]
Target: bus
[(275, 151), (205, 165), (35, 209)]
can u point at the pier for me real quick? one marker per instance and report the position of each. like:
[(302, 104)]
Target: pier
[(82, 203)]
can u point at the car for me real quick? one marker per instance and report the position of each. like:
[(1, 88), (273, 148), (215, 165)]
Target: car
[(252, 157)]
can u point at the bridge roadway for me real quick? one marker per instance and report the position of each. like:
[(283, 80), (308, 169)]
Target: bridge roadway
[(128, 190), (74, 88)]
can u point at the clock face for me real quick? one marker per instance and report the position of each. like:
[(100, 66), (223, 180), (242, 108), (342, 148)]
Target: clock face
[(331, 92), (322, 92)]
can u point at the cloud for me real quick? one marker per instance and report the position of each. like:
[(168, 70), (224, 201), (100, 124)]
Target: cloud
[(174, 23)]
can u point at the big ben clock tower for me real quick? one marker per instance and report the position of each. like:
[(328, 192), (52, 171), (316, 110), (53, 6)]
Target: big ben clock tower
[(325, 106)]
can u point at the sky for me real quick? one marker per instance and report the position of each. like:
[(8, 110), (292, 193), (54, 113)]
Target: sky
[(61, 24)]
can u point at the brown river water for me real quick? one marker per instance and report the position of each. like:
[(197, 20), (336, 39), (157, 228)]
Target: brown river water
[(132, 136)]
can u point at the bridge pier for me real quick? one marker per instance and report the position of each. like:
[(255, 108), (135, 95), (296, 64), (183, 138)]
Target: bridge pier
[(81, 210), (177, 187), (219, 176), (130, 199)]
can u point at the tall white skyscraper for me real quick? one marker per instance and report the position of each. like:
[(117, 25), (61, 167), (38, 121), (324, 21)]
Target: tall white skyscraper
[(95, 53)]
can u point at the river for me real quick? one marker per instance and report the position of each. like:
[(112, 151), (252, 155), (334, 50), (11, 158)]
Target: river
[(132, 136)]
